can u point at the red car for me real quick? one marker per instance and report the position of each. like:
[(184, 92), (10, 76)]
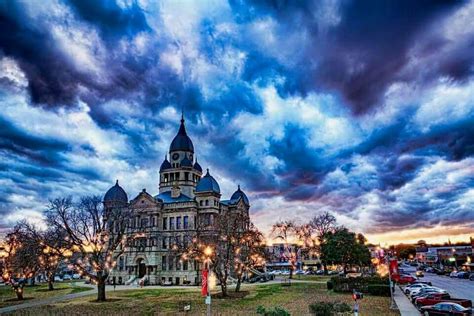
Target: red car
[(435, 298), (450, 309), (404, 279)]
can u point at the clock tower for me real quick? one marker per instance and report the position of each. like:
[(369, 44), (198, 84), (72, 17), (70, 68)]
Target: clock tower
[(181, 173)]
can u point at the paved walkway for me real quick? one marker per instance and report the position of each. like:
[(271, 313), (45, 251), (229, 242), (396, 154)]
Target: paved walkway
[(110, 288), (404, 305)]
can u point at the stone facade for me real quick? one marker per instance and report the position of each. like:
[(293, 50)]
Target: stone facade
[(161, 225)]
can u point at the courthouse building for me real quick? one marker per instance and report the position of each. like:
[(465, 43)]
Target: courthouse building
[(187, 201)]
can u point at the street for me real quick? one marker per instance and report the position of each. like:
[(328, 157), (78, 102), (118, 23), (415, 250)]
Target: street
[(457, 288)]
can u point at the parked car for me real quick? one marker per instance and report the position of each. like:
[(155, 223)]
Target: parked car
[(436, 298), (462, 275), (430, 270), (453, 274), (67, 277), (419, 274), (76, 276), (299, 272), (445, 309), (413, 286), (57, 278), (423, 282), (405, 279), (471, 277), (425, 292)]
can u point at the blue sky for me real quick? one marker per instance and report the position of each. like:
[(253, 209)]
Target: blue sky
[(362, 108)]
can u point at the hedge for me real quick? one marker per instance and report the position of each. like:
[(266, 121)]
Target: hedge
[(361, 284), (379, 289)]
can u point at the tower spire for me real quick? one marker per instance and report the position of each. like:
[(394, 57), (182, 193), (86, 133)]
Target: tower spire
[(182, 114)]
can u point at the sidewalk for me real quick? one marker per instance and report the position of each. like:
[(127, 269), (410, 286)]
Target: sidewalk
[(404, 305)]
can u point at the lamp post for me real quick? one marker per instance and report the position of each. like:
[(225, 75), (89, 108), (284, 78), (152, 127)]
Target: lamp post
[(392, 286)]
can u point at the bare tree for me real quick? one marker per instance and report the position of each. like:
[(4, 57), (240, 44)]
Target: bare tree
[(287, 233), (20, 259), (52, 248), (215, 245), (322, 225), (95, 236), (250, 253)]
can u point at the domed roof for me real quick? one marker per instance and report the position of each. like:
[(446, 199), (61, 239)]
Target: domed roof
[(165, 165), (116, 194), (186, 162), (240, 194), (208, 184), (197, 166), (182, 141)]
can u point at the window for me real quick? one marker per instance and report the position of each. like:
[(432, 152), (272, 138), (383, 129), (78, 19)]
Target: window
[(171, 223), (165, 221), (170, 262), (195, 223), (178, 264), (121, 264), (200, 203), (170, 241), (178, 222), (178, 240), (144, 222), (207, 202), (163, 243), (153, 221), (166, 177), (186, 176), (163, 263), (185, 265), (185, 222)]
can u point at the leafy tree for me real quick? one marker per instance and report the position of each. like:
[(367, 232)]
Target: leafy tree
[(344, 248), (96, 237), (405, 251)]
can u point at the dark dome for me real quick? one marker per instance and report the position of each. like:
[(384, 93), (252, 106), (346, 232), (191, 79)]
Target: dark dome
[(240, 194), (182, 141), (116, 194), (165, 165), (186, 162), (208, 184), (197, 166)]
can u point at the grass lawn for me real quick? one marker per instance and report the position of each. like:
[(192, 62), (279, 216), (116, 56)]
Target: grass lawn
[(294, 298), (32, 293), (322, 278)]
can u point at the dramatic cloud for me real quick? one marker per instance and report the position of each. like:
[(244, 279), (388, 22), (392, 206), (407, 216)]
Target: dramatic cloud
[(365, 109)]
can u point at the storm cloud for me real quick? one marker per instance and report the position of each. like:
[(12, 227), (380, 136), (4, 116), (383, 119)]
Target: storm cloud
[(364, 108)]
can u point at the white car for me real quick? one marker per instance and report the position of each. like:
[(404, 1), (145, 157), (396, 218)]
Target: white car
[(76, 276), (415, 286), (57, 278), (67, 277), (453, 274)]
